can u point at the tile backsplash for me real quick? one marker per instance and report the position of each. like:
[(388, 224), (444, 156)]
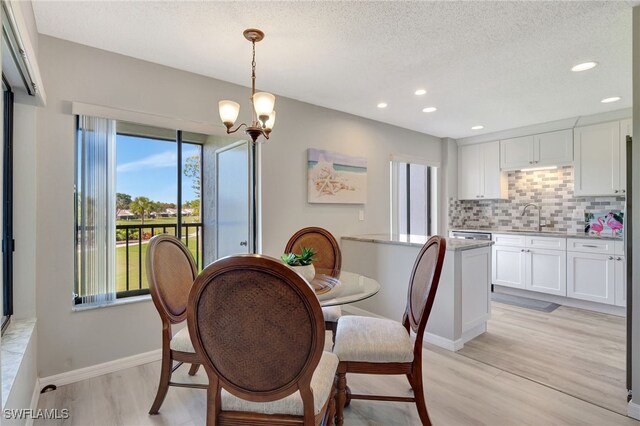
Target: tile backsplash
[(552, 189)]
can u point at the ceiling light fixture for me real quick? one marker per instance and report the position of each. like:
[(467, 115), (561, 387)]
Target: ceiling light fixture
[(382, 105), (429, 109), (420, 92), (584, 66), (609, 100), (263, 115), (477, 128)]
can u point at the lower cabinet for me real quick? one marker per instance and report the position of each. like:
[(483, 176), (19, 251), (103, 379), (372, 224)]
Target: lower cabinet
[(620, 281), (530, 269), (546, 271), (509, 267), (591, 276)]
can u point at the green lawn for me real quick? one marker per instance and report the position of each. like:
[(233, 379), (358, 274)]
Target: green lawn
[(134, 271)]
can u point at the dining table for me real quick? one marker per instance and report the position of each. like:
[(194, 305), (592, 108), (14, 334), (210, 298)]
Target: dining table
[(348, 287)]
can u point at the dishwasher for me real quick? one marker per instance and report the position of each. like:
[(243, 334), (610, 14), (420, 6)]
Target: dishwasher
[(471, 235)]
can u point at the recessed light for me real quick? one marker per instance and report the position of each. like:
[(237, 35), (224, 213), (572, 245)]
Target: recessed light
[(477, 128), (420, 92), (382, 105), (429, 109), (609, 100), (584, 66)]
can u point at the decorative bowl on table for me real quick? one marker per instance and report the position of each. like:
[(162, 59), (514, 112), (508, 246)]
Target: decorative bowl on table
[(323, 284)]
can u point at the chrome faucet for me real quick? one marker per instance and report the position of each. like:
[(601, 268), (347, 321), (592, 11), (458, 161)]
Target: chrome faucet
[(524, 210)]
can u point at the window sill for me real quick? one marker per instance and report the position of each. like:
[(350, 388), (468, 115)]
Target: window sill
[(117, 302), (12, 351)]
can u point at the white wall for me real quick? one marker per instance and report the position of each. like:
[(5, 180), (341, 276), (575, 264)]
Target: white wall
[(70, 340)]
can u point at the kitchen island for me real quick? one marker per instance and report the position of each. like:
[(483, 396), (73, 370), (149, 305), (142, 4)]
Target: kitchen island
[(462, 305)]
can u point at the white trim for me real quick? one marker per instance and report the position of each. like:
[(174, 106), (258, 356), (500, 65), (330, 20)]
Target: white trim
[(551, 126), (474, 332), (415, 160), (118, 302), (79, 108), (354, 310), (633, 410), (35, 398), (451, 345), (90, 372), (565, 301)]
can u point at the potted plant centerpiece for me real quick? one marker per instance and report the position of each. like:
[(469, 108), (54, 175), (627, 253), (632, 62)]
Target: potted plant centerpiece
[(302, 263)]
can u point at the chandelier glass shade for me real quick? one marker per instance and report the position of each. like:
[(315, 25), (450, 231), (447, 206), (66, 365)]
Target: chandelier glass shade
[(263, 114)]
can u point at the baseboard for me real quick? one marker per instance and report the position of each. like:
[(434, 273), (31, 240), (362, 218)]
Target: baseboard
[(451, 345), (359, 311), (35, 398), (565, 301), (85, 373), (633, 410)]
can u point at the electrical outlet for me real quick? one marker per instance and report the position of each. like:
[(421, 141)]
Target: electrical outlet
[(361, 215)]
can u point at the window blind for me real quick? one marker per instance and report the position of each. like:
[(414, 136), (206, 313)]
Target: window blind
[(95, 211)]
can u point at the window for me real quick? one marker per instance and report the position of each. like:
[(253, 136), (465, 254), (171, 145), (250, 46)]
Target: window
[(7, 206), (413, 198), (147, 180)]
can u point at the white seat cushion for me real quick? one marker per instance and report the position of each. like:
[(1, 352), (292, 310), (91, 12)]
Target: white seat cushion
[(331, 313), (321, 384), (182, 342), (367, 339)]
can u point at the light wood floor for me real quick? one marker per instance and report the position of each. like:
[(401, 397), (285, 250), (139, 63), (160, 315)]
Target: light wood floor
[(575, 351), (459, 389)]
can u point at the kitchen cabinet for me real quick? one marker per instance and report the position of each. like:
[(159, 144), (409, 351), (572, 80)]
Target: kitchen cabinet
[(546, 271), (479, 175), (528, 266), (542, 150), (508, 266), (600, 158), (591, 276)]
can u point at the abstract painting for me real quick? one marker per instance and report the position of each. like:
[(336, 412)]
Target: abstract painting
[(336, 178)]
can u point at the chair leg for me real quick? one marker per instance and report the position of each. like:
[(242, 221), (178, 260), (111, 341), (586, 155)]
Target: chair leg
[(418, 394), (341, 396), (163, 386), (194, 369)]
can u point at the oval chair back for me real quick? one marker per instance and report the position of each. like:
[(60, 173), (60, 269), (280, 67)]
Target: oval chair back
[(423, 285), (329, 257), (258, 328), (171, 272)]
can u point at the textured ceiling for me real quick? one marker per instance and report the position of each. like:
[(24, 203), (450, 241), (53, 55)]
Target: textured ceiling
[(498, 64)]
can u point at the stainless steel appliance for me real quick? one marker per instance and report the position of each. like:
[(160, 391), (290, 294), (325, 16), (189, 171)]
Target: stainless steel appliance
[(471, 235), (628, 252)]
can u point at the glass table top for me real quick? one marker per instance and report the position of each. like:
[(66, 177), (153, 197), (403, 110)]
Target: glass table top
[(348, 288)]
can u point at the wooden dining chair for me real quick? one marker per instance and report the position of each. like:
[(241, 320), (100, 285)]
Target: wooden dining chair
[(380, 346), (259, 331), (171, 272), (328, 261)]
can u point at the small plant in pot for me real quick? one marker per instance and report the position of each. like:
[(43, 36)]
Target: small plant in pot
[(302, 263)]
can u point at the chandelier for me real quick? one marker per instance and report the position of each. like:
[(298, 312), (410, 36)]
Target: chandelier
[(263, 115)]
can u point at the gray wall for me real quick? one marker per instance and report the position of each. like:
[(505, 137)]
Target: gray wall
[(70, 340)]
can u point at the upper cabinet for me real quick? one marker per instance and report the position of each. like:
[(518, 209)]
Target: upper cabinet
[(600, 159), (546, 149), (479, 175)]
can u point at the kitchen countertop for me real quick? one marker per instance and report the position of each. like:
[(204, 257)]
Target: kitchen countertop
[(538, 233), (453, 244)]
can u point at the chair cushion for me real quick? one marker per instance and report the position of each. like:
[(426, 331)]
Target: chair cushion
[(367, 339), (332, 313), (321, 384), (182, 342)]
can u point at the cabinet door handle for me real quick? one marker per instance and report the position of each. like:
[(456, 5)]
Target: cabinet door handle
[(618, 258), (589, 245), (623, 191), (610, 257), (522, 250), (616, 191)]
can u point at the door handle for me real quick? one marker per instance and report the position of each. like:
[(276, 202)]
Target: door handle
[(244, 243)]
